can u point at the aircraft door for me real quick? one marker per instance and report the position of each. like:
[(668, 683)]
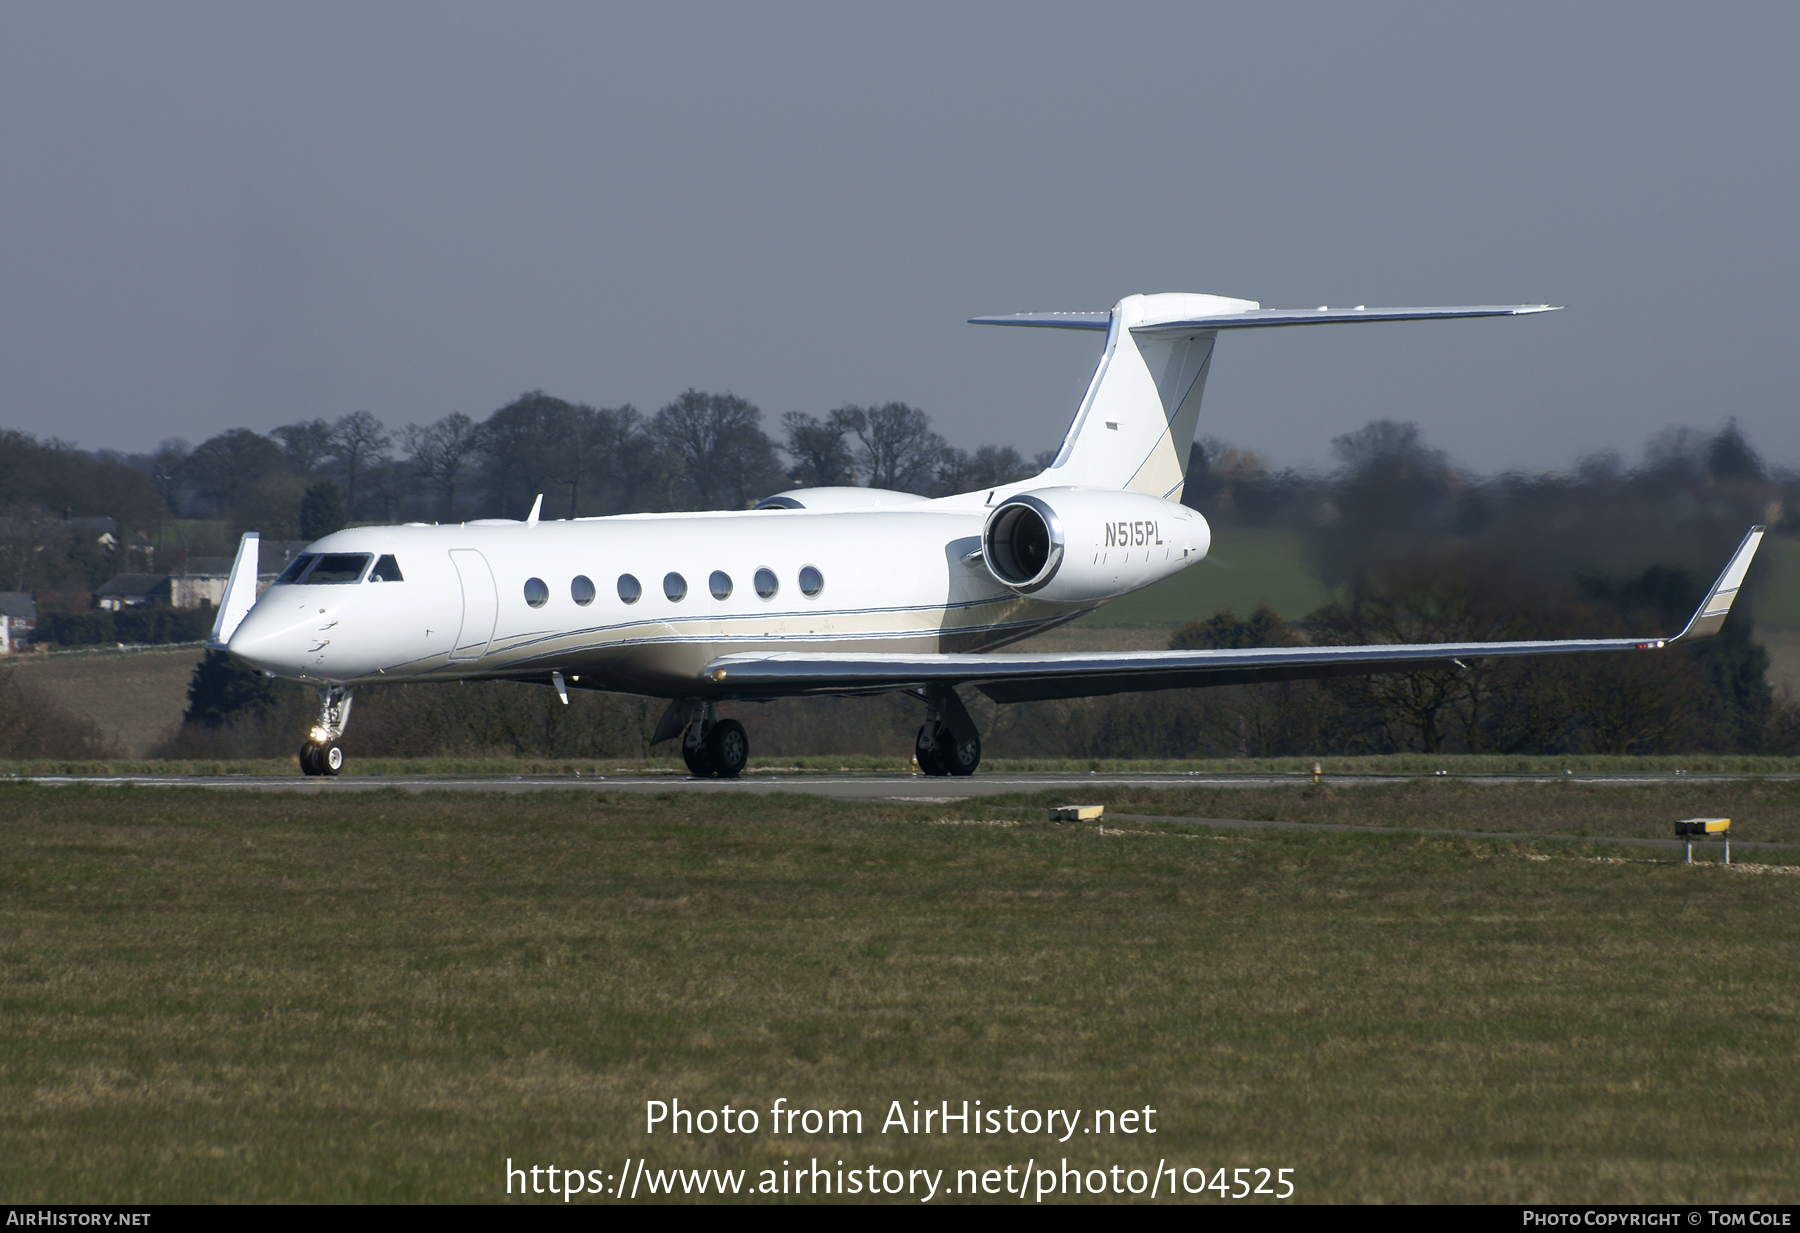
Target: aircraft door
[(481, 604)]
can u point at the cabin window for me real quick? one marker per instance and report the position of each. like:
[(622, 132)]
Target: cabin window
[(582, 590), (811, 581), (339, 567), (675, 587), (766, 584), (630, 589), (536, 593), (386, 570), (297, 568), (719, 584)]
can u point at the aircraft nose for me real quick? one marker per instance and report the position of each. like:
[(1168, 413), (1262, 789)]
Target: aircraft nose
[(266, 640)]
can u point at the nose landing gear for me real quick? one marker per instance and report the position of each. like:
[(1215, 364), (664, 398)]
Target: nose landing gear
[(322, 755), (321, 759)]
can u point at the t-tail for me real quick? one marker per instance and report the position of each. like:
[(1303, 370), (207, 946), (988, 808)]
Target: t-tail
[(1136, 424)]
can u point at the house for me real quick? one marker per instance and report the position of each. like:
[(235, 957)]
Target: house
[(132, 591), (18, 620), (199, 582)]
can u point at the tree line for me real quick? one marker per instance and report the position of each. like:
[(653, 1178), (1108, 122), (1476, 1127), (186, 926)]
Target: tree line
[(306, 479), (1416, 549)]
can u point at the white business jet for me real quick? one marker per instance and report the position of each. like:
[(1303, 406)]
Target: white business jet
[(830, 590)]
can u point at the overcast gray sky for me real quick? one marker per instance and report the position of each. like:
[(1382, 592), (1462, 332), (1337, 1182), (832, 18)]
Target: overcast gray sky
[(224, 215)]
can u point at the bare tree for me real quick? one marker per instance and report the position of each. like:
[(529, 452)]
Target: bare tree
[(623, 456), (530, 446), (820, 453), (899, 450), (358, 440), (716, 448), (306, 444), (227, 469), (988, 467), (170, 454), (444, 455)]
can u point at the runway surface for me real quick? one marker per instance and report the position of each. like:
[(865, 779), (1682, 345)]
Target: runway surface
[(847, 786)]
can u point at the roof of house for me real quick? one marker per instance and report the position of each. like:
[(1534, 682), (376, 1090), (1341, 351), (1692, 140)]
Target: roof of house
[(19, 605), (133, 584)]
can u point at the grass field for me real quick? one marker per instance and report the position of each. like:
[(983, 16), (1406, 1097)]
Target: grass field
[(220, 996), (136, 698), (1245, 569), (1778, 599)]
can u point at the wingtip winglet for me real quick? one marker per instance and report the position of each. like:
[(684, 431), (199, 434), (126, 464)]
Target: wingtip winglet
[(240, 592), (1717, 605)]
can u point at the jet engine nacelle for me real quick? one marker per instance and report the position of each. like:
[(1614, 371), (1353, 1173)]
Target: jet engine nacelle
[(1071, 545)]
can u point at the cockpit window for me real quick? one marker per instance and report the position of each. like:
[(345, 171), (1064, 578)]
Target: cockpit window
[(386, 570), (338, 567), (298, 566)]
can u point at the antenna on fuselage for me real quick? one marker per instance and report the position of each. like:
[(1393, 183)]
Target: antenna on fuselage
[(537, 507)]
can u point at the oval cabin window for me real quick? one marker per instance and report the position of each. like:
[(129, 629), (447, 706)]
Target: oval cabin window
[(811, 582), (582, 590), (536, 593), (766, 585), (675, 587), (630, 589)]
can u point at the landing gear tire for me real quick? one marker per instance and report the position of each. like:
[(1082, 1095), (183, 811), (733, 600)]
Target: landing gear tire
[(727, 748), (956, 757), (698, 764), (925, 751), (322, 759), (940, 753)]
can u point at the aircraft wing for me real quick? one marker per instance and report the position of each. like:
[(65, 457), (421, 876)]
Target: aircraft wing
[(1022, 678)]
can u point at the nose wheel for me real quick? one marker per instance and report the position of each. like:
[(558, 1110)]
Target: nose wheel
[(316, 759), (322, 755)]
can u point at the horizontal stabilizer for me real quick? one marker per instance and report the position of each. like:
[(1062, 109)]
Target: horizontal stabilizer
[(1262, 318), (1051, 321)]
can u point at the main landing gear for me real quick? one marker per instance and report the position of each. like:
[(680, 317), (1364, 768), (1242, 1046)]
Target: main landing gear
[(322, 755), (709, 745), (949, 743)]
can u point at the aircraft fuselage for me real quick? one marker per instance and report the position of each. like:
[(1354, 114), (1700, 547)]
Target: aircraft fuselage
[(641, 603)]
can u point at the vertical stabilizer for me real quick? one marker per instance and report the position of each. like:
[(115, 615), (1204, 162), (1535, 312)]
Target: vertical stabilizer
[(1136, 425)]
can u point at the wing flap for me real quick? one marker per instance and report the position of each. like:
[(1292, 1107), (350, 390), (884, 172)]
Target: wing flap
[(1019, 677)]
